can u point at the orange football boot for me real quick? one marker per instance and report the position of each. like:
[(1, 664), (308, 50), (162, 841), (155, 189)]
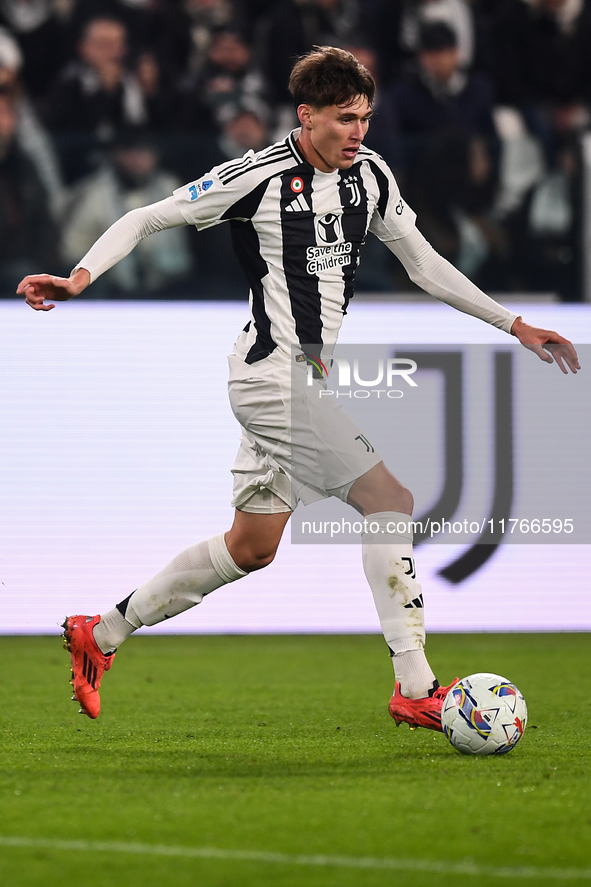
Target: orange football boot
[(89, 663), (424, 712)]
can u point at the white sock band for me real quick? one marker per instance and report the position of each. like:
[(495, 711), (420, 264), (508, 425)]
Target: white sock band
[(112, 630), (388, 527), (183, 583), (413, 673), (222, 559)]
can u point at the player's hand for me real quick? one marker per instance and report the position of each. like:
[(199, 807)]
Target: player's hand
[(37, 288), (548, 345)]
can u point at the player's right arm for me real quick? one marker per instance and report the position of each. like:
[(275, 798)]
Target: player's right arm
[(112, 246), (202, 203)]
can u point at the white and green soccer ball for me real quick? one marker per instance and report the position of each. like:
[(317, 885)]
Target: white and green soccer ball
[(484, 714)]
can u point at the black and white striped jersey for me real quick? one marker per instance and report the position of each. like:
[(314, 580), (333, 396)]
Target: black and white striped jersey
[(297, 233)]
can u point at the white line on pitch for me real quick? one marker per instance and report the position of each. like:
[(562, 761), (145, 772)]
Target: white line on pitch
[(349, 862)]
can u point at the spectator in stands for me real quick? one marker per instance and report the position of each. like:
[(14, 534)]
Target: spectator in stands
[(545, 229), (437, 94), (394, 30), (447, 140), (544, 65), (227, 82), (220, 274), (246, 131), (129, 178), (41, 28), (30, 134), (553, 212), (155, 26), (453, 191), (542, 51), (458, 15), (28, 234), (203, 18), (158, 94), (97, 93)]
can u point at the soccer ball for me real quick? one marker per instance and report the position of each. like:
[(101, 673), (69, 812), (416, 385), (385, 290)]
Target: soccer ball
[(484, 714)]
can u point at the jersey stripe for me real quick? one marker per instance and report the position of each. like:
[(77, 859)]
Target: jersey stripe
[(353, 196), (298, 234), (232, 165), (247, 247), (383, 185), (246, 207), (250, 160), (248, 251), (279, 158)]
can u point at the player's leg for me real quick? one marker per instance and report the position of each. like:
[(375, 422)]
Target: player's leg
[(261, 496), (249, 545), (389, 565), (330, 449), (390, 570)]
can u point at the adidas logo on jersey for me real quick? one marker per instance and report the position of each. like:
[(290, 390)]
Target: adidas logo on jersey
[(298, 205)]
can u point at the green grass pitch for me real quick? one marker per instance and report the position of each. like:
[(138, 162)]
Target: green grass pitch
[(283, 744)]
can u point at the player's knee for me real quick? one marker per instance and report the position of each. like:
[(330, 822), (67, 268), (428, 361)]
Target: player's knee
[(391, 497), (253, 539), (263, 560), (405, 502), (378, 490), (395, 497), (255, 558)]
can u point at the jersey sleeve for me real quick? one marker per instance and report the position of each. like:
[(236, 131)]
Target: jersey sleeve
[(215, 197), (124, 234), (437, 276), (392, 218)]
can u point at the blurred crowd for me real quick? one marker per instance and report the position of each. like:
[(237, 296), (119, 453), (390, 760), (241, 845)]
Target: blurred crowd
[(106, 105)]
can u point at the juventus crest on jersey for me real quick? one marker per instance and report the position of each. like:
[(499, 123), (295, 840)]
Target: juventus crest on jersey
[(297, 233)]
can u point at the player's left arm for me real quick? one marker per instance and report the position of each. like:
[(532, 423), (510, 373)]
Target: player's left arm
[(441, 279), (393, 222)]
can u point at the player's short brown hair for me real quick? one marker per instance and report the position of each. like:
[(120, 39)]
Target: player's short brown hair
[(330, 76)]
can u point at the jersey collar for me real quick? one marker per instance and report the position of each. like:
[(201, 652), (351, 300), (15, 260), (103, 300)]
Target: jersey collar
[(292, 143)]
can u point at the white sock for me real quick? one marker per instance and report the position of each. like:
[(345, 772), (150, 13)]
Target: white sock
[(182, 584), (414, 674), (111, 631), (390, 570)]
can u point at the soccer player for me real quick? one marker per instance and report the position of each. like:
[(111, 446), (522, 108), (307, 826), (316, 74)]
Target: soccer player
[(316, 193)]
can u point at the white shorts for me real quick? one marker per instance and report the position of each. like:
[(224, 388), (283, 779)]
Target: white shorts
[(295, 446)]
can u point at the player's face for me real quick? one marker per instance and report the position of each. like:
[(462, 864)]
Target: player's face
[(331, 136)]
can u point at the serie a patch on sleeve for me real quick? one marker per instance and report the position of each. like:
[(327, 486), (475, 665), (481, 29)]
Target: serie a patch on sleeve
[(199, 188)]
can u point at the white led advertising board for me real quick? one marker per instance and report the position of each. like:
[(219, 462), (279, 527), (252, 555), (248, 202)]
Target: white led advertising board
[(116, 443)]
